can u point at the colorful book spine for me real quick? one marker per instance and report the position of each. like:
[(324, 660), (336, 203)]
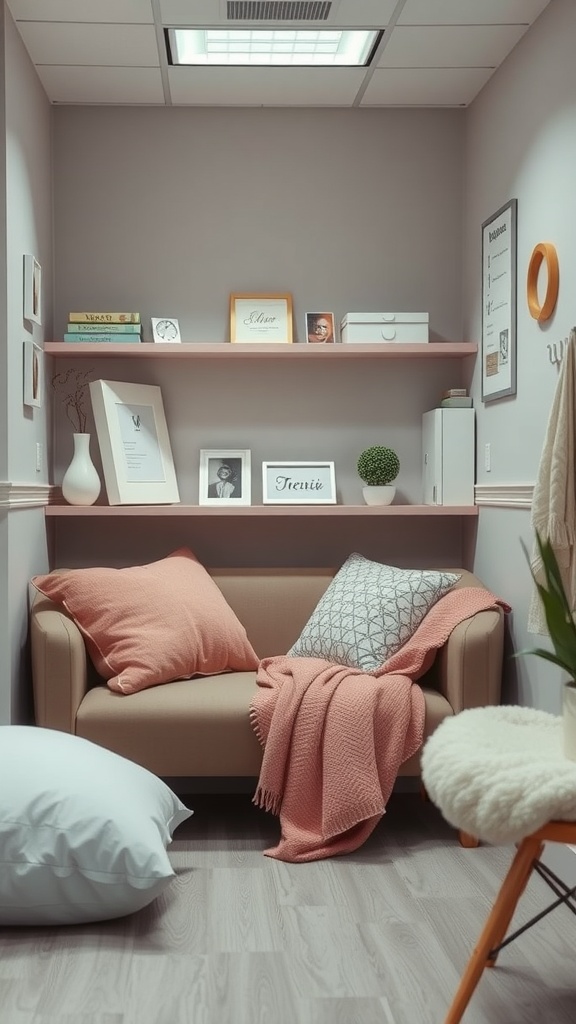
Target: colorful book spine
[(97, 328), (104, 318), (114, 339)]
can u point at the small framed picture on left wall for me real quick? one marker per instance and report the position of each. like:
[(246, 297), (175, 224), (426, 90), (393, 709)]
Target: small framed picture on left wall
[(33, 373), (32, 289)]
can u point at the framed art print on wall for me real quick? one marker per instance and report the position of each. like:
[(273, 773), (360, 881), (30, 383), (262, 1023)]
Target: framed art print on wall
[(32, 289), (33, 373), (224, 477), (499, 235), (134, 443)]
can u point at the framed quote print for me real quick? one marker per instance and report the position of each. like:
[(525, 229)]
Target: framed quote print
[(134, 443), (261, 318)]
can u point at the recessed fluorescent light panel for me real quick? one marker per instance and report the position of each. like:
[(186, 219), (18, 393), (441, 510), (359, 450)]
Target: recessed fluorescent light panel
[(271, 47)]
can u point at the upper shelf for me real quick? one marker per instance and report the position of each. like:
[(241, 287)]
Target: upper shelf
[(225, 350)]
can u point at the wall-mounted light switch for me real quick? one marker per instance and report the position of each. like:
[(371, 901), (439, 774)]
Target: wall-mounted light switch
[(487, 458)]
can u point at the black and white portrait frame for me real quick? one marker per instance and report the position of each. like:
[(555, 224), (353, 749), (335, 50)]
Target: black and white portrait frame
[(32, 289), (238, 463)]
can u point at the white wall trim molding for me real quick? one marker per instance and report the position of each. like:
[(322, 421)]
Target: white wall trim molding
[(24, 495), (504, 495)]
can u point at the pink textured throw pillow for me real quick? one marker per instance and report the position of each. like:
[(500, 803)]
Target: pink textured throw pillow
[(151, 624)]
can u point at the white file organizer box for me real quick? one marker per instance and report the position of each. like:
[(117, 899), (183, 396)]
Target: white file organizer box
[(403, 328)]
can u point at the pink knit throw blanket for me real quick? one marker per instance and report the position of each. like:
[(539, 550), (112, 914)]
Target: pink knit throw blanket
[(334, 737)]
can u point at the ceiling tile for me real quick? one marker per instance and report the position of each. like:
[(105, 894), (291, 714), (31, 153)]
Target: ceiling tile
[(102, 85), (138, 12), (471, 12), (104, 45), (450, 46), (412, 87), (237, 87)]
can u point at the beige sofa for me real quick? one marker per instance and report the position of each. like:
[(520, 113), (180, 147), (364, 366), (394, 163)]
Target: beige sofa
[(200, 727)]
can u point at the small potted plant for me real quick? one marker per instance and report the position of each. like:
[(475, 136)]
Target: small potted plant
[(562, 630), (378, 467)]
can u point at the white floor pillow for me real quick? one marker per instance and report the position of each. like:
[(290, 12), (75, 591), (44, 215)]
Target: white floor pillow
[(83, 831)]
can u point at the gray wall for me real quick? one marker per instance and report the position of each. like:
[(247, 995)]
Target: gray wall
[(28, 213), (521, 142), (169, 211)]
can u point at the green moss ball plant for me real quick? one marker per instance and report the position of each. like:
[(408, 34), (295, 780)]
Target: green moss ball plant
[(378, 466)]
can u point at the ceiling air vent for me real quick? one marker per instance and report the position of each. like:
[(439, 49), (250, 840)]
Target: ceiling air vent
[(278, 10)]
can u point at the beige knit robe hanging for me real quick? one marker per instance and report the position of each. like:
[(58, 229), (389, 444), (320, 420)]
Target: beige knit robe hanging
[(554, 498)]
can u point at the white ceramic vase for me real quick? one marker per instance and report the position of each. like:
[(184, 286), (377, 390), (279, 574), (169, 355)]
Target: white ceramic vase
[(383, 495), (81, 483), (569, 720)]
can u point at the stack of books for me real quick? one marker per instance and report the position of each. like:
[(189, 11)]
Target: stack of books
[(121, 328), (455, 398)]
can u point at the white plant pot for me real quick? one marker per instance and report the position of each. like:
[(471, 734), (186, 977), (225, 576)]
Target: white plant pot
[(383, 495), (569, 720), (81, 483)]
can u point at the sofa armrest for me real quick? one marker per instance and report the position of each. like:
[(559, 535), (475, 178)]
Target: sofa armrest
[(60, 669), (468, 668)]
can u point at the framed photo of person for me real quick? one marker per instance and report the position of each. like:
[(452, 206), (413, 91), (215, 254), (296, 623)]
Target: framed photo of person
[(225, 477), (320, 329)]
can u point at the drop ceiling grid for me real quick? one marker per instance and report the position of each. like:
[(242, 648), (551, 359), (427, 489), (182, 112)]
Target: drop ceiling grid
[(432, 87), (243, 87), (94, 11), (450, 46), (471, 12), (90, 85)]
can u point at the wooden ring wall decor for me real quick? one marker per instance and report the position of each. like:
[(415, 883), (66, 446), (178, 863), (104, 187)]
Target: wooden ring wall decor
[(544, 251)]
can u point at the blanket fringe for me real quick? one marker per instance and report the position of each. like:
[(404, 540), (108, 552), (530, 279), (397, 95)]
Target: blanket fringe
[(267, 801), (254, 722)]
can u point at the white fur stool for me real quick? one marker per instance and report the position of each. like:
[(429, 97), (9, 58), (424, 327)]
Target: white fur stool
[(499, 773)]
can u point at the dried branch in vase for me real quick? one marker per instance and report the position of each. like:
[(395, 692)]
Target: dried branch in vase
[(72, 386)]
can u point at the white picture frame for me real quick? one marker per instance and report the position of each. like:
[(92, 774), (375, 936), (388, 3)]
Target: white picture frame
[(33, 360), (237, 481), (134, 443), (165, 330), (298, 483), (32, 289)]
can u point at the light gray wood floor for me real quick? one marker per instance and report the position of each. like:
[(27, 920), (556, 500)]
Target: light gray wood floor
[(377, 937)]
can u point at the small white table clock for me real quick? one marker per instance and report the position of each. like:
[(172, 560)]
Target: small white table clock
[(165, 329)]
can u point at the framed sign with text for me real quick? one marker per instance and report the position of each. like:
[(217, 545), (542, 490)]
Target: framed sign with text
[(298, 483), (499, 235), (261, 318)]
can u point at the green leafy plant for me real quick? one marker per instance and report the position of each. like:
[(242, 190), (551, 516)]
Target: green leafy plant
[(559, 618), (378, 466)]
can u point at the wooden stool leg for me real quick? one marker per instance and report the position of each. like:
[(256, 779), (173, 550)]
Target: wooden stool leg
[(496, 925), (467, 841)]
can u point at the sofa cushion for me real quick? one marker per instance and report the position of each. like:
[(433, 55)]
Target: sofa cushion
[(83, 832), (369, 611), (151, 624)]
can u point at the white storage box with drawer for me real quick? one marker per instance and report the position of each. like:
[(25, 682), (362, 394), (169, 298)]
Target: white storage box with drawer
[(448, 450), (403, 328)]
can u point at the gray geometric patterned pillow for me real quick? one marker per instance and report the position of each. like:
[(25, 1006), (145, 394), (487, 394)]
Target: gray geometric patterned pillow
[(369, 611)]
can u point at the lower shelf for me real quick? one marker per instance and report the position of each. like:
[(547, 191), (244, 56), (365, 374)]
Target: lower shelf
[(269, 511)]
